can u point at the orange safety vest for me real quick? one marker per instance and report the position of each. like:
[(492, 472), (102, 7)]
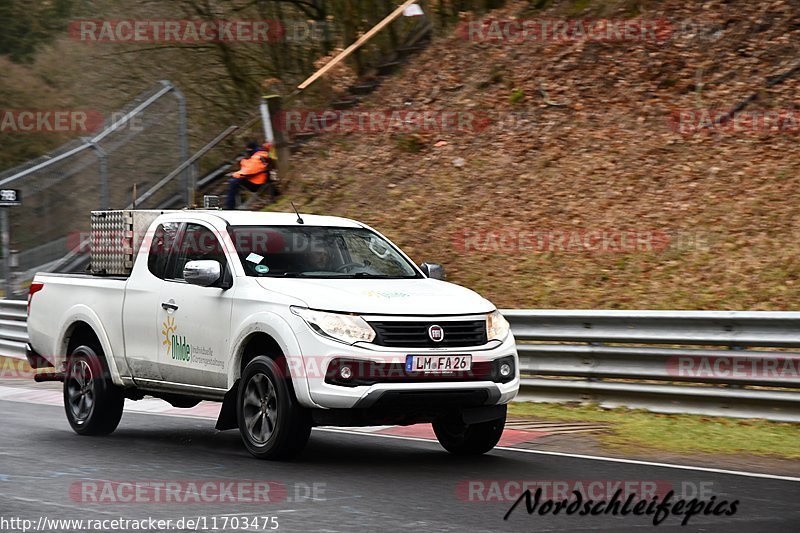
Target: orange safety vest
[(254, 168)]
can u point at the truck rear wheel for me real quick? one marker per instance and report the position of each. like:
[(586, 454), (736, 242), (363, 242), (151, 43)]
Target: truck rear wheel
[(91, 400), (272, 423), (468, 439)]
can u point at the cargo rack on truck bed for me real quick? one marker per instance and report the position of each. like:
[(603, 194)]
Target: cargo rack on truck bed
[(115, 238)]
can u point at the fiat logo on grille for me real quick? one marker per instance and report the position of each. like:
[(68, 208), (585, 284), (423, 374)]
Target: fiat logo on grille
[(436, 333)]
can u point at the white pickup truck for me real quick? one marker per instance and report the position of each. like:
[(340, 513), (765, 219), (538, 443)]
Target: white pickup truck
[(290, 320)]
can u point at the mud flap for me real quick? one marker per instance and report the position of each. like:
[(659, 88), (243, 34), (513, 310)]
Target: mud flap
[(227, 414), (36, 360)]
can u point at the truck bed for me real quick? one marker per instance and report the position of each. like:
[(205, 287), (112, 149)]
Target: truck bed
[(66, 297), (81, 275)]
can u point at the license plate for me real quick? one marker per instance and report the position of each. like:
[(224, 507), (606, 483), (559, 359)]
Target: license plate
[(438, 363)]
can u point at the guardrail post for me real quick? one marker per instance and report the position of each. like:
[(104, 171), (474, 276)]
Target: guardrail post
[(5, 237), (16, 275)]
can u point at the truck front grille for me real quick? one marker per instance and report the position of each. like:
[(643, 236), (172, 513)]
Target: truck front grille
[(415, 334)]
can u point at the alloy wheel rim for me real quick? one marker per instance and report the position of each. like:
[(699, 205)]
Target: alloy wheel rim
[(260, 408), (80, 390)]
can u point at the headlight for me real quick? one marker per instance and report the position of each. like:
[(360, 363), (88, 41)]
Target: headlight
[(497, 327), (344, 328)]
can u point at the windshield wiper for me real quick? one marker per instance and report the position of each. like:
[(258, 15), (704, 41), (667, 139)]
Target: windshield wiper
[(320, 275), (334, 275)]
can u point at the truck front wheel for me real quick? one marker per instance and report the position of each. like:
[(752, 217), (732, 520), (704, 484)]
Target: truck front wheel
[(272, 423), (92, 402), (468, 439)]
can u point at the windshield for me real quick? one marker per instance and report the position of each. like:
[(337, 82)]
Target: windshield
[(318, 252)]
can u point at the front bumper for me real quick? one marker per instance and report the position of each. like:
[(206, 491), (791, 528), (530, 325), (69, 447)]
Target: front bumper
[(405, 399), (396, 394)]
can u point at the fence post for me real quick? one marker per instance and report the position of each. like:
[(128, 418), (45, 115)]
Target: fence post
[(188, 177), (194, 172), (273, 104), (102, 159)]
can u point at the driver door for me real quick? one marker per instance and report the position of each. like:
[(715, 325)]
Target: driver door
[(194, 321)]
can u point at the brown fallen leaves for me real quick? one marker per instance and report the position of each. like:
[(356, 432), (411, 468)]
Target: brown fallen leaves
[(611, 159)]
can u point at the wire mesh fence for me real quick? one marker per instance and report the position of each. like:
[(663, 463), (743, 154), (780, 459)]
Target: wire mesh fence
[(136, 147)]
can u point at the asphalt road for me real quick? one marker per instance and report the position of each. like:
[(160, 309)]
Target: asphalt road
[(342, 482)]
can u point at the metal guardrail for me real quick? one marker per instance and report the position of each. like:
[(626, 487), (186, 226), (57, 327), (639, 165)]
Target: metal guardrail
[(700, 362), (13, 328)]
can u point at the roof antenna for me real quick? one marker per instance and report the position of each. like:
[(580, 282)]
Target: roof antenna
[(299, 220)]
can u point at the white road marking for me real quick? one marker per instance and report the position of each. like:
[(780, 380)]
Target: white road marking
[(71, 507), (9, 393), (589, 457)]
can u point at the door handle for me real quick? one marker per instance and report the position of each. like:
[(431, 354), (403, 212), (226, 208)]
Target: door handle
[(169, 306)]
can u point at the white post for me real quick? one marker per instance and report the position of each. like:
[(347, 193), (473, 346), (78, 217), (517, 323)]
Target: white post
[(269, 135)]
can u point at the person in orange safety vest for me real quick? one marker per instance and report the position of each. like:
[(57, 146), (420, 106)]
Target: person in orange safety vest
[(253, 174)]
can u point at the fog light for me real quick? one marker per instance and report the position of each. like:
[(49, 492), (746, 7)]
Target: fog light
[(346, 372), (505, 370)]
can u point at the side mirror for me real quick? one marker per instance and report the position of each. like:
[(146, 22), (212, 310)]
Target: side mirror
[(203, 273), (433, 270)]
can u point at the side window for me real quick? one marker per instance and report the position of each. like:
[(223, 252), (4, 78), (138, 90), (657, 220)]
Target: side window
[(198, 243), (160, 247)]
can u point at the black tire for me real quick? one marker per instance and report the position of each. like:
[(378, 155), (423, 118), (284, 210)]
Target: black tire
[(468, 439), (272, 423), (91, 400)]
